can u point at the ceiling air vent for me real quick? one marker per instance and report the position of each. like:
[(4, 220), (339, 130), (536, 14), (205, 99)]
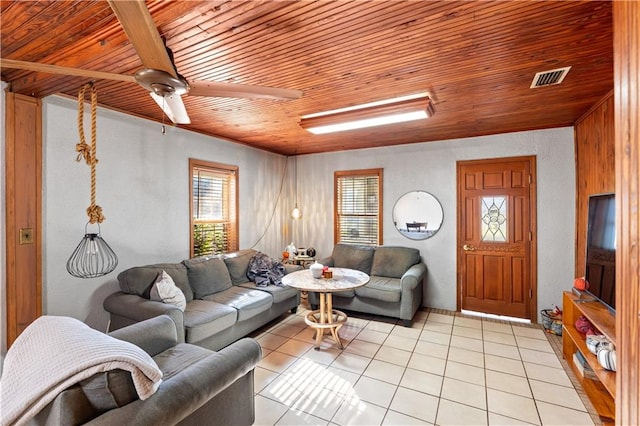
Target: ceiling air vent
[(548, 78)]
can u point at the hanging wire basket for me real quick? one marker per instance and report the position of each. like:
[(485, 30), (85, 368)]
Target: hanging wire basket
[(92, 258)]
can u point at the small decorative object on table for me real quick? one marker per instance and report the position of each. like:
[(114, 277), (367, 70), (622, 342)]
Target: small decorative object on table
[(552, 320), (316, 270), (327, 273), (291, 249)]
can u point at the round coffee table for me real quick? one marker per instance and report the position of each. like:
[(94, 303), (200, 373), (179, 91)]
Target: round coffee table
[(326, 319)]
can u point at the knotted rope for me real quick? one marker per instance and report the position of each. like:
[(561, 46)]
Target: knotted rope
[(88, 152)]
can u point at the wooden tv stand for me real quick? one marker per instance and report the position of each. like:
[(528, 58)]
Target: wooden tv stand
[(601, 392)]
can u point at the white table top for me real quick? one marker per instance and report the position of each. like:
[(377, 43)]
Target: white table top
[(343, 279)]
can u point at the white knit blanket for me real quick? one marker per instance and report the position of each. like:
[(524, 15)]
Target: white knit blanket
[(54, 353)]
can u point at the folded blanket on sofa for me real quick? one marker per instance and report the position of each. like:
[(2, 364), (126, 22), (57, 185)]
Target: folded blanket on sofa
[(54, 353), (264, 270)]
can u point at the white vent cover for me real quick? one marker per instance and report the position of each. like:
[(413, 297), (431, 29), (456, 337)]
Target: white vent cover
[(548, 78)]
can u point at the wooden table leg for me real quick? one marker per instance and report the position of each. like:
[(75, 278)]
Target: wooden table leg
[(334, 330), (323, 318), (326, 320)]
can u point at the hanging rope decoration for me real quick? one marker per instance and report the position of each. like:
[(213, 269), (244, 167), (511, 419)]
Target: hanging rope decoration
[(93, 257), (88, 152)]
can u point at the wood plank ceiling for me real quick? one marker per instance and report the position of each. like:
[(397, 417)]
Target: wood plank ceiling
[(476, 60)]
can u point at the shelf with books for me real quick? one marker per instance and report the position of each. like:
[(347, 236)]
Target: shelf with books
[(601, 387), (583, 366)]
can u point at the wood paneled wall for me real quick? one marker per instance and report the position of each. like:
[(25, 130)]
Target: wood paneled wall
[(24, 212), (626, 46), (595, 165)]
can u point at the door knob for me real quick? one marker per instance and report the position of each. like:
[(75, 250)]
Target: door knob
[(468, 248)]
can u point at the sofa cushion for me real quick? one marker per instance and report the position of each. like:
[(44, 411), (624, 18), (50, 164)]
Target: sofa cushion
[(138, 280), (175, 359), (237, 264), (381, 288), (345, 294), (353, 257), (108, 390), (393, 262), (203, 319), (279, 294), (166, 291), (207, 275), (248, 302)]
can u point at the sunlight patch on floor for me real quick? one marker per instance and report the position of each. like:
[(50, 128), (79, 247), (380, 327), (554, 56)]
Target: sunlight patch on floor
[(496, 317)]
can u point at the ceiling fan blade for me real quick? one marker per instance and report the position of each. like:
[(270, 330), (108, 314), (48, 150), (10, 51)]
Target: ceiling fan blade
[(56, 69), (232, 90), (173, 107), (143, 34)]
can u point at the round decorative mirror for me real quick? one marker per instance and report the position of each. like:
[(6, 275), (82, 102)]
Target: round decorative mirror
[(417, 215)]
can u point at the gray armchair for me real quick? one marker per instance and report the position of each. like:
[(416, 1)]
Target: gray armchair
[(199, 386)]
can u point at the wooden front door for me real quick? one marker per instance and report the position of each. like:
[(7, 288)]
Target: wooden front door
[(497, 236)]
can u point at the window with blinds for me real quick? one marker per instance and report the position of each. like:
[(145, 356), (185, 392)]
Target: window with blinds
[(214, 195), (358, 207)]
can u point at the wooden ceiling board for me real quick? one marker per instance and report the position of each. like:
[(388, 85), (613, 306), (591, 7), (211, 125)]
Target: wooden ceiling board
[(475, 59)]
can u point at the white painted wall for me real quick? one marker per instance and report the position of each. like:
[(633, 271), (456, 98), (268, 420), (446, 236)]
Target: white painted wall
[(432, 167), (143, 189), (142, 186)]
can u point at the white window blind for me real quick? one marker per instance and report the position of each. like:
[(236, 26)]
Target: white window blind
[(358, 207), (213, 207)]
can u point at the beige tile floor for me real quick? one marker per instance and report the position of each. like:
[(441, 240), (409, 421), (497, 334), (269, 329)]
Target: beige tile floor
[(444, 370)]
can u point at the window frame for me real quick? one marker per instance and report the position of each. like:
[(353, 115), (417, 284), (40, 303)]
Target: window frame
[(378, 172), (235, 221)]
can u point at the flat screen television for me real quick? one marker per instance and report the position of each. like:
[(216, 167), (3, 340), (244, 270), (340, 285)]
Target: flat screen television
[(600, 271)]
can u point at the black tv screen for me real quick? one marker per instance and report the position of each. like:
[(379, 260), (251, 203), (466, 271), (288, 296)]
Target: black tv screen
[(600, 271)]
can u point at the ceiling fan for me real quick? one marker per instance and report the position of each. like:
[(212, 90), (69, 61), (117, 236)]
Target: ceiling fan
[(159, 76)]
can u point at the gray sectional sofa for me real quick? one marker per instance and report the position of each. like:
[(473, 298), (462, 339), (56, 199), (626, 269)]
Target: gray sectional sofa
[(395, 288), (222, 304), (199, 386)]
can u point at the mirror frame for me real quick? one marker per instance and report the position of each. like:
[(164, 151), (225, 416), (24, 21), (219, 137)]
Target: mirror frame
[(427, 224)]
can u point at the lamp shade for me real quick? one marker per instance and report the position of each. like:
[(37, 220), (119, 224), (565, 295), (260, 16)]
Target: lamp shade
[(92, 258)]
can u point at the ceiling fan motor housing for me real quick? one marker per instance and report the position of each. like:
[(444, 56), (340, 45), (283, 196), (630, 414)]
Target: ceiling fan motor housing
[(161, 83)]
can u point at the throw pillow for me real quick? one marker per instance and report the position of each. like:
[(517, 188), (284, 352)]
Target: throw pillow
[(207, 275), (353, 257), (393, 262), (165, 290), (139, 279), (238, 263)]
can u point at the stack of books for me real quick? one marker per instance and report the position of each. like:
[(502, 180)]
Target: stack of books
[(583, 366)]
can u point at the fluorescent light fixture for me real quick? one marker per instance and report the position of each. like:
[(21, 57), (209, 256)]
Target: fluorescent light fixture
[(397, 110), (173, 106)]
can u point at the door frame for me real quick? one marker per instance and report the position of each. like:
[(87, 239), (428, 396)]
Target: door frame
[(23, 192), (533, 242)]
